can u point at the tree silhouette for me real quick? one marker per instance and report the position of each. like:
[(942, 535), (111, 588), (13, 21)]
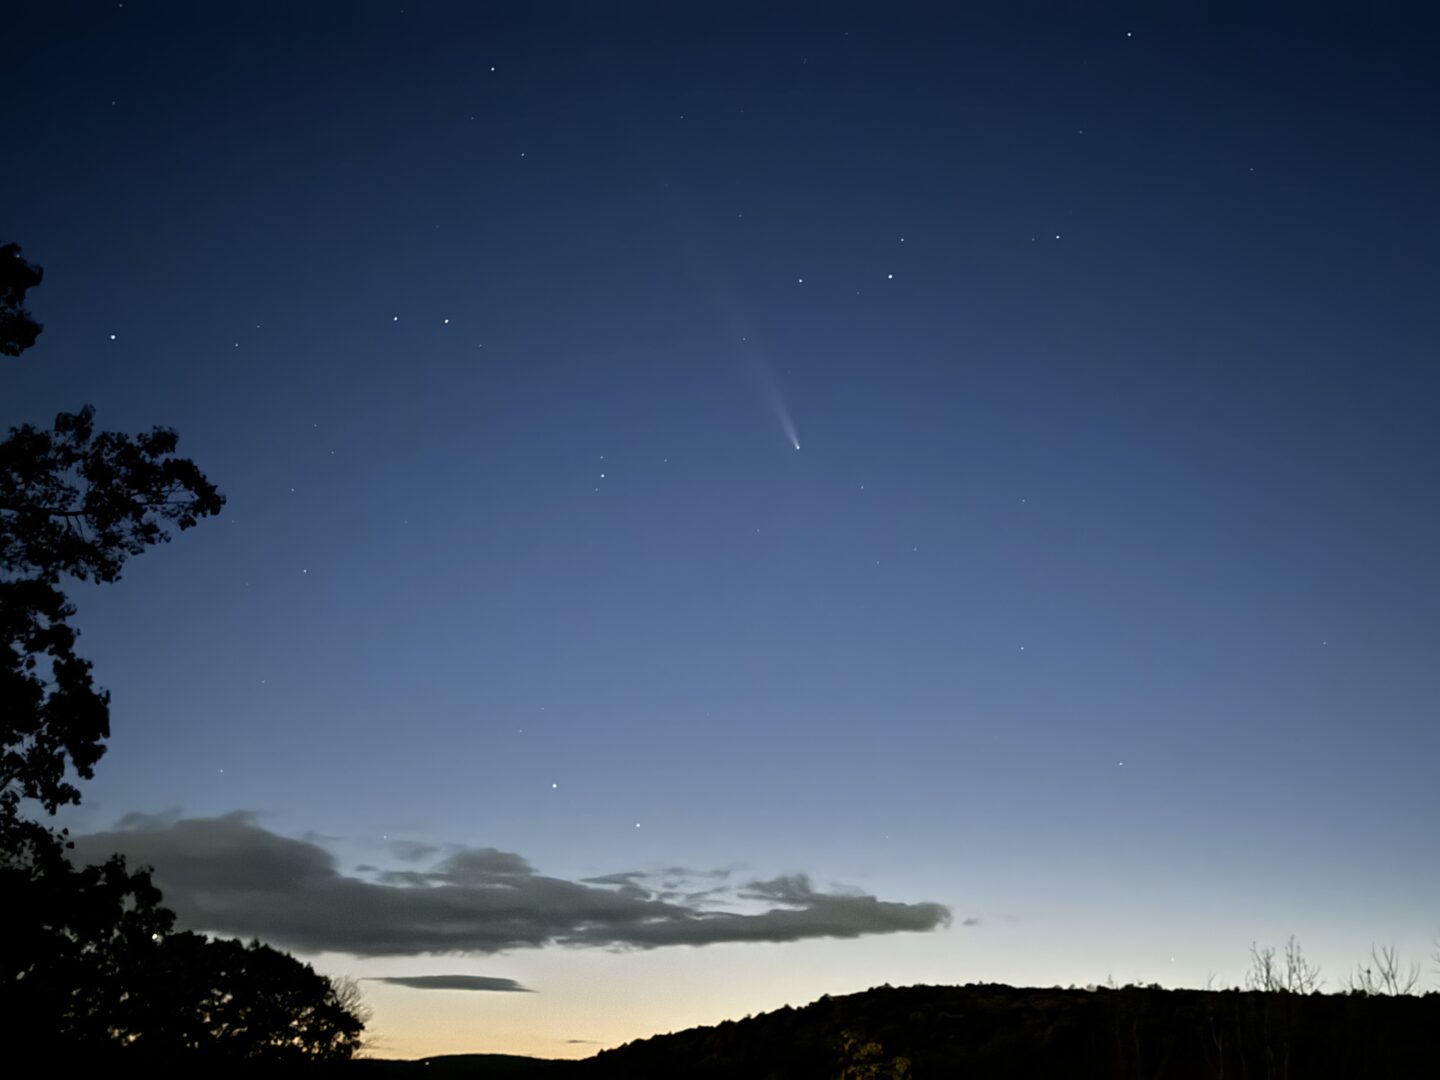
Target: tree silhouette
[(73, 503), (89, 963)]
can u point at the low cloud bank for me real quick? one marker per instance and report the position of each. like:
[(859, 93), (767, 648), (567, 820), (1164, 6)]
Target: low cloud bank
[(228, 875)]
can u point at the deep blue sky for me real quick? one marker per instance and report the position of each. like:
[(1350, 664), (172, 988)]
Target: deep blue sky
[(1110, 343)]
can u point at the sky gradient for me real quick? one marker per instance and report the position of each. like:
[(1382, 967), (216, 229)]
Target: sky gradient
[(1090, 630)]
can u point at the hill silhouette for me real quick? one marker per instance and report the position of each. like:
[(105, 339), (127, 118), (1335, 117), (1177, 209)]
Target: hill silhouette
[(996, 1031)]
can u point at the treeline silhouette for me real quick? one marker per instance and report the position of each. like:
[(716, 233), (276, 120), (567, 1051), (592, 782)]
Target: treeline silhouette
[(993, 1031)]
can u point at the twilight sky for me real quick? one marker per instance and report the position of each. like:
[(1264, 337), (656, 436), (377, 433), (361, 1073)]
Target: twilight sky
[(1091, 629)]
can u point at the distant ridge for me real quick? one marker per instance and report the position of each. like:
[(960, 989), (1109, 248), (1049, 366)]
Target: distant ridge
[(444, 1066)]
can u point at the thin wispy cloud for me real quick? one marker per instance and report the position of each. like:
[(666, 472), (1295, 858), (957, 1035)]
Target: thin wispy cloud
[(453, 982)]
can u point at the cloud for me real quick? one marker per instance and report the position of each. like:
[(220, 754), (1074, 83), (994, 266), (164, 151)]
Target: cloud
[(229, 875), (453, 982), (412, 850)]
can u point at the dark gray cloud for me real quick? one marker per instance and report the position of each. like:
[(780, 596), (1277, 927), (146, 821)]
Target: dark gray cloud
[(229, 875), (453, 982)]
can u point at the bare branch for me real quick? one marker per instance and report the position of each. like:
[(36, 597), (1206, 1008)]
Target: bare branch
[(1264, 973), (1301, 976), (1291, 973)]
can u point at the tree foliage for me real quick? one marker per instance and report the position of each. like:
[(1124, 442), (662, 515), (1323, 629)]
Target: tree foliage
[(195, 998), (92, 969), (73, 503), (18, 330), (92, 966), (73, 936)]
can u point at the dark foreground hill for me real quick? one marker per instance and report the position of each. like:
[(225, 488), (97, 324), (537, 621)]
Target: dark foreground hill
[(989, 1031)]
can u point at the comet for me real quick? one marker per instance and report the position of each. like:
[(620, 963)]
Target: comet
[(728, 307), (776, 400)]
